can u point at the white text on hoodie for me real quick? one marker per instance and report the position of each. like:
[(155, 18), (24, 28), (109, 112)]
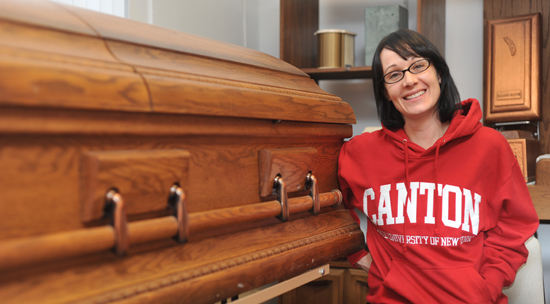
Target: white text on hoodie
[(466, 205)]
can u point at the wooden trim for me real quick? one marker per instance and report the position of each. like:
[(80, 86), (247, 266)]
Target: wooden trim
[(202, 285), (17, 120)]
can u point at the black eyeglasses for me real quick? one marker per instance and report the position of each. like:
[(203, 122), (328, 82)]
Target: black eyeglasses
[(415, 68)]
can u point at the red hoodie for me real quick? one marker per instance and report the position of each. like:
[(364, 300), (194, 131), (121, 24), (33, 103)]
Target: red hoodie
[(446, 224)]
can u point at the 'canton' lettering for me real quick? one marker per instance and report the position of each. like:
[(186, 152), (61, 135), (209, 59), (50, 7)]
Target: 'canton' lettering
[(464, 204)]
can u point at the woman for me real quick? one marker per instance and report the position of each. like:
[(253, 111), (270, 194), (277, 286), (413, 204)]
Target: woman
[(448, 207)]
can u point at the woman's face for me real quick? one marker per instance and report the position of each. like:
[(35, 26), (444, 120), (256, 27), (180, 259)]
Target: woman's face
[(416, 95)]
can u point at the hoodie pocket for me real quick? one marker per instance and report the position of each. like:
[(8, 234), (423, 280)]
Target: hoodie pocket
[(436, 285)]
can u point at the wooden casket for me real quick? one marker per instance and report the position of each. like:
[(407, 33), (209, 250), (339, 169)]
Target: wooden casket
[(143, 165)]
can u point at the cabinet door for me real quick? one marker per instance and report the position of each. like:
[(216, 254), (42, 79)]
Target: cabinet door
[(328, 289), (356, 286)]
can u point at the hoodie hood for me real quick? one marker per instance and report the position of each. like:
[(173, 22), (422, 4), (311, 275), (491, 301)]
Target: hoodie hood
[(465, 122)]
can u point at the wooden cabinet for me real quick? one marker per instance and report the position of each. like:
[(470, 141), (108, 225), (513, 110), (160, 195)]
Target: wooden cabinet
[(343, 284), (298, 45)]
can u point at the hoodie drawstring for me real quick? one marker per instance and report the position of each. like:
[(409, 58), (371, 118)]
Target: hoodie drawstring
[(437, 207), (408, 183), (437, 202)]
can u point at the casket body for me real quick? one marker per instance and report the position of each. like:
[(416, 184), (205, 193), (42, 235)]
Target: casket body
[(92, 104)]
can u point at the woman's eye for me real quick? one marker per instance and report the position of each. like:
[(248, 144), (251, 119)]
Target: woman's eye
[(394, 75), (420, 66)]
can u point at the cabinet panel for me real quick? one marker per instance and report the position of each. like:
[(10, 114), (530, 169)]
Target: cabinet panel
[(343, 284), (356, 286), (327, 289), (299, 20)]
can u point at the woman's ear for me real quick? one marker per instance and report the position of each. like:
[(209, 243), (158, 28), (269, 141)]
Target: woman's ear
[(439, 78)]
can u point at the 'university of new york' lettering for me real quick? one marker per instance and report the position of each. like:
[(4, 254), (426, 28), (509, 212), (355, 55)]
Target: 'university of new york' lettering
[(465, 204)]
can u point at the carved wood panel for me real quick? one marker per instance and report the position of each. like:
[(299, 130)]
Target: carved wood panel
[(496, 9), (513, 64)]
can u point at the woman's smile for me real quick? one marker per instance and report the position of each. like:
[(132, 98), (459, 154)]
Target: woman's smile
[(414, 95)]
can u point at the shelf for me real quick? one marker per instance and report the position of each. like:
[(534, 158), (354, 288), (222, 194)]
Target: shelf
[(300, 19), (364, 72)]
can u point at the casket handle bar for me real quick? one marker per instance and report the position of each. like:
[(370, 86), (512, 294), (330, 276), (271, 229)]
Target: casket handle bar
[(280, 187), (311, 181), (115, 209), (122, 234), (178, 201)]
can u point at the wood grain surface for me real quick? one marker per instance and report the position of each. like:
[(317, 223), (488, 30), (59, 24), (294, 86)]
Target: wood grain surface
[(299, 22), (142, 177), (90, 101), (184, 270), (292, 165), (431, 22)]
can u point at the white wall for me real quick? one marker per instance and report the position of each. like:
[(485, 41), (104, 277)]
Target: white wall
[(464, 46), (112, 7), (249, 23)]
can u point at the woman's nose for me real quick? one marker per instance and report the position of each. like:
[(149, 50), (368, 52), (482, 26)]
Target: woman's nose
[(409, 78)]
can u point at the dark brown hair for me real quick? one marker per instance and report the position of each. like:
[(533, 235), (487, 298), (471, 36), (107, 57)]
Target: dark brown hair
[(408, 44)]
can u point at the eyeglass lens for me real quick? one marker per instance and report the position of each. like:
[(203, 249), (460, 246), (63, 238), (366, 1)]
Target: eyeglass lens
[(415, 68)]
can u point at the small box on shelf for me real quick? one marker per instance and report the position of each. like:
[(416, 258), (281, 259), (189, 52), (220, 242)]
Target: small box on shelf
[(381, 21)]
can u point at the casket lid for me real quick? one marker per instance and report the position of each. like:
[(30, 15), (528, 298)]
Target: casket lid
[(62, 56)]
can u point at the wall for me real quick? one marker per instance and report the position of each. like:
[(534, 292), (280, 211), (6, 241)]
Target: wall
[(233, 21), (112, 7)]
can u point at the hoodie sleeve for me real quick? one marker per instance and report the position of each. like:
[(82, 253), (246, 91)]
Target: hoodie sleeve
[(514, 221), (349, 202)]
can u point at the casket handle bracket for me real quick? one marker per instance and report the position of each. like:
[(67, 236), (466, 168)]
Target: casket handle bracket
[(115, 209), (311, 182), (280, 187), (339, 198), (178, 201)]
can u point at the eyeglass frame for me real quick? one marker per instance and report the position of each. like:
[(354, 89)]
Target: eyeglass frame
[(407, 70)]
